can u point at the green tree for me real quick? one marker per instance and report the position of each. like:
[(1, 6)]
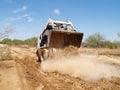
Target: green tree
[(111, 45), (31, 41), (95, 40), (6, 41), (17, 42)]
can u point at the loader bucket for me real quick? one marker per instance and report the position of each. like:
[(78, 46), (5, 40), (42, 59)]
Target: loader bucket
[(61, 39)]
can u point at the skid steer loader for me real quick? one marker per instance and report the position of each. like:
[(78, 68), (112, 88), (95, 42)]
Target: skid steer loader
[(57, 35)]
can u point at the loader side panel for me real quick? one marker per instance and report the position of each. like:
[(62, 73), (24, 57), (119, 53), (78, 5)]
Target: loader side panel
[(61, 39)]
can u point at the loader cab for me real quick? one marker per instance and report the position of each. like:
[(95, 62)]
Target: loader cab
[(49, 27), (63, 26), (44, 38)]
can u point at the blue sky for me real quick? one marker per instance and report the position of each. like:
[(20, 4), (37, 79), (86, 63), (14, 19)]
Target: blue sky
[(28, 17)]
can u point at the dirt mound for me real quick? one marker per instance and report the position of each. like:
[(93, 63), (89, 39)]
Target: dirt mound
[(71, 50), (28, 68), (64, 53)]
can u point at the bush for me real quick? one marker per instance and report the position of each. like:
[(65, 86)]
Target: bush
[(6, 41), (95, 40), (117, 43), (31, 41), (17, 42), (110, 45), (5, 55), (98, 40)]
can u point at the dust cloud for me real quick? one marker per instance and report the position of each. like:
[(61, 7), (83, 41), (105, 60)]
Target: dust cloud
[(87, 67)]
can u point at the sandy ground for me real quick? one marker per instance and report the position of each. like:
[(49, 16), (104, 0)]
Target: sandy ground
[(9, 78), (24, 73)]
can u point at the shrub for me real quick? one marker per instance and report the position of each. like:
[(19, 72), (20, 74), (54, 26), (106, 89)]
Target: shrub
[(31, 41), (95, 40), (5, 55), (17, 42), (6, 41)]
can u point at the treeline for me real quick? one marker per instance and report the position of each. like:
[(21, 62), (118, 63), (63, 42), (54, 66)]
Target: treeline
[(30, 41), (97, 40)]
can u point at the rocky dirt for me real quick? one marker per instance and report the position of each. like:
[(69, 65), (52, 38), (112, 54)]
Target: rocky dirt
[(24, 73)]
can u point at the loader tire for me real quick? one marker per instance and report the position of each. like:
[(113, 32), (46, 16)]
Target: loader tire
[(42, 54)]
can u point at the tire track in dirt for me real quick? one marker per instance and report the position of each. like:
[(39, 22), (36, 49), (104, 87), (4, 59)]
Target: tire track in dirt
[(9, 78)]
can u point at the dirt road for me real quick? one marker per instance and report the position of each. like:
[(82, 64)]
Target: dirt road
[(24, 73)]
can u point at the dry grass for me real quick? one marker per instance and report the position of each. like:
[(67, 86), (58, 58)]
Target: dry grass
[(5, 53)]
